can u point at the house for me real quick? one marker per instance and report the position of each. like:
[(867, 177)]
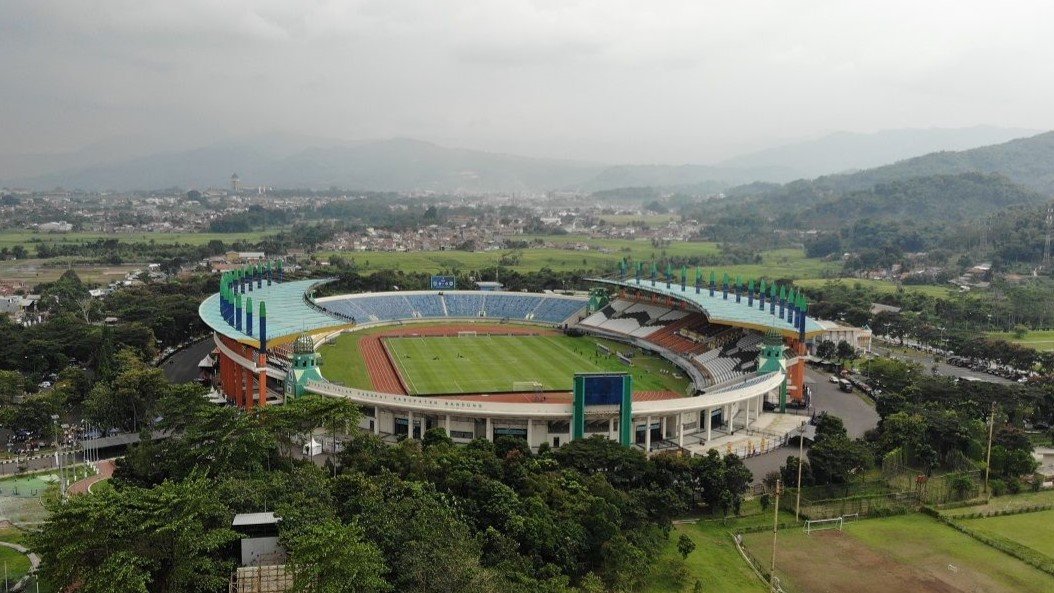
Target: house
[(858, 337), (877, 308)]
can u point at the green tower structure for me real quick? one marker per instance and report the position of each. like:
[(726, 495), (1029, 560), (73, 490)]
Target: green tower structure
[(304, 367), (598, 299), (773, 358)]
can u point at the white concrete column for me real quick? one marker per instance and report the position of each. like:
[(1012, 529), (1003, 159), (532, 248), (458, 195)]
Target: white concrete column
[(647, 435), (530, 433), (376, 420), (490, 430), (726, 413), (448, 424), (680, 431), (708, 421), (410, 424), (611, 429), (663, 425)]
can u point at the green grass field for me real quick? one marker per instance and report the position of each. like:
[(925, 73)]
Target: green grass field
[(880, 286), (776, 263), (28, 239), (1006, 503), (342, 362), (648, 219), (491, 364), (35, 271), (715, 563), (908, 553), (1040, 340), (1035, 530)]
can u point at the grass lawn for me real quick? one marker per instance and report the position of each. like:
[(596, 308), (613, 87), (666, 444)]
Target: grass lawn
[(1006, 503), (16, 562), (1040, 340), (880, 286), (908, 553), (1035, 530), (30, 238), (649, 219), (715, 562), (342, 363), (481, 364), (525, 260), (35, 271), (602, 256)]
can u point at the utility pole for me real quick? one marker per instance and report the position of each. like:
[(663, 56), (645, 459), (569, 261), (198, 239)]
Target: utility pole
[(1046, 243), (988, 457), (801, 451), (775, 530), (58, 456)]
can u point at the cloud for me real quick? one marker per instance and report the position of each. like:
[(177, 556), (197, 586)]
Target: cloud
[(618, 80)]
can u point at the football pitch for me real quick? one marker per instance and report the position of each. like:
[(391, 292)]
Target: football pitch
[(903, 554), (494, 364)]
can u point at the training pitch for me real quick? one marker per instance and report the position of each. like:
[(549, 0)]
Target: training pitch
[(493, 364), (903, 554)]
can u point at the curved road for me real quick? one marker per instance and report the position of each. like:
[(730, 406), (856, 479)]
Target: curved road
[(856, 413), (182, 366)]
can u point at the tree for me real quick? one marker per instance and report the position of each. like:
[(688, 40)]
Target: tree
[(436, 437), (165, 539), (330, 557), (11, 385), (833, 456), (826, 350), (685, 546), (845, 351)]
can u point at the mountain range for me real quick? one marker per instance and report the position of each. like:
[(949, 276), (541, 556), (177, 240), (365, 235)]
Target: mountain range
[(291, 160)]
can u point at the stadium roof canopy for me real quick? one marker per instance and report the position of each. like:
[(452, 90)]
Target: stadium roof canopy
[(288, 314), (719, 309)]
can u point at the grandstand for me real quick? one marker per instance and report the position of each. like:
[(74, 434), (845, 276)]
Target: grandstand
[(733, 360), (380, 308), (713, 338), (720, 352)]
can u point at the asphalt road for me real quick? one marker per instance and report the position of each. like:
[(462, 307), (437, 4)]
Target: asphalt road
[(856, 413), (926, 360), (182, 366)]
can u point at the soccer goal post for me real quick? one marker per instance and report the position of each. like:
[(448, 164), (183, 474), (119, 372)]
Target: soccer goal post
[(824, 524), (466, 334), (526, 385)]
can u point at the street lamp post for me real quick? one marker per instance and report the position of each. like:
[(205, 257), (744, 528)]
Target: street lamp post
[(775, 530), (801, 452), (988, 456)]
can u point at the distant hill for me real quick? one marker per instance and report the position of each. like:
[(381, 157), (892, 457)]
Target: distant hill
[(945, 199), (845, 151), (1027, 161), (289, 160), (404, 164), (383, 165), (690, 178)]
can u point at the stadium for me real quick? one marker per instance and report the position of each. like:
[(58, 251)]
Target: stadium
[(653, 363)]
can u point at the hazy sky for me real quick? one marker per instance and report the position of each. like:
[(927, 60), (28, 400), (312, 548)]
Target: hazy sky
[(644, 81)]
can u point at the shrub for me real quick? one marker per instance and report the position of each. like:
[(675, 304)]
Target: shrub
[(1013, 486), (997, 487)]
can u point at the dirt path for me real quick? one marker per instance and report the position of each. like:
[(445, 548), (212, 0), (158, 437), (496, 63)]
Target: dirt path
[(106, 468)]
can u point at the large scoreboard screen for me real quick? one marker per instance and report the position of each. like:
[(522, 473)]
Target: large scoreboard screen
[(443, 283), (603, 390)]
